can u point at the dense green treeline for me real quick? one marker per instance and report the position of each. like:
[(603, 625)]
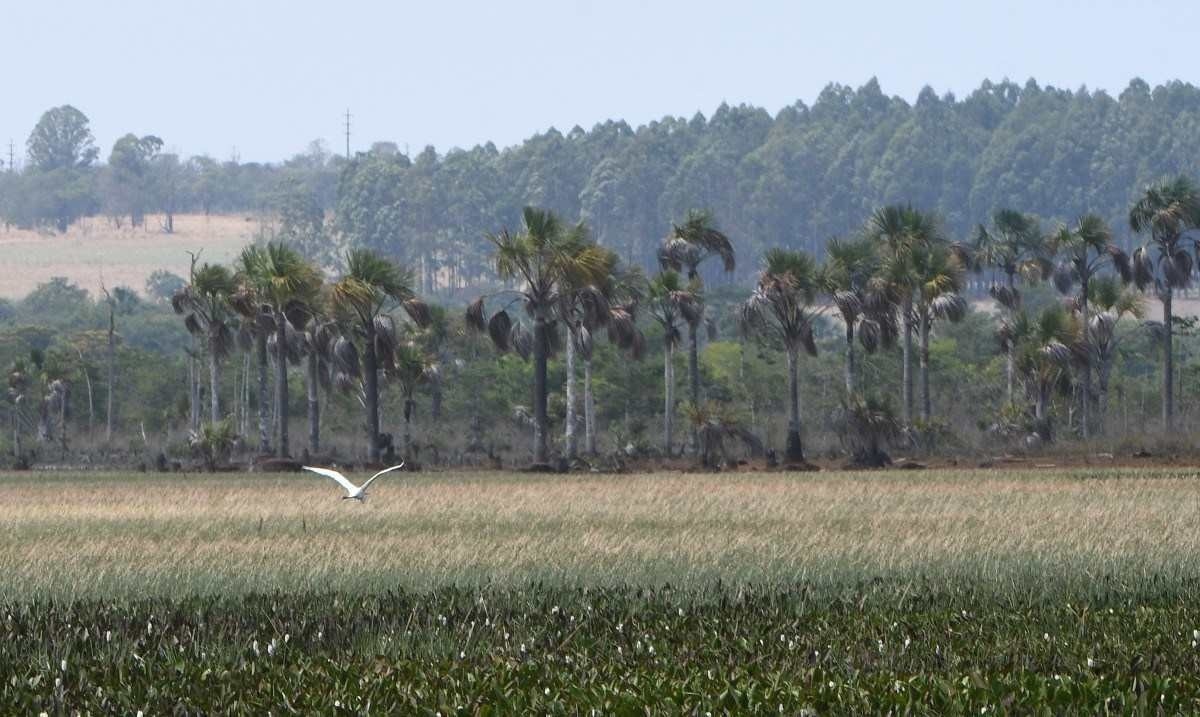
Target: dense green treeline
[(794, 180)]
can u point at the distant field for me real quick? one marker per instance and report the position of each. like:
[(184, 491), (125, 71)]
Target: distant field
[(170, 535), (939, 592), (94, 248)]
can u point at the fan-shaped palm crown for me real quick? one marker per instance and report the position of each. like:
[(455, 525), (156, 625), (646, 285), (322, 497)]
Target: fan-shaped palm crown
[(693, 241)]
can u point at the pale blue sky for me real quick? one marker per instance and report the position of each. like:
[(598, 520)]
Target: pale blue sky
[(268, 77)]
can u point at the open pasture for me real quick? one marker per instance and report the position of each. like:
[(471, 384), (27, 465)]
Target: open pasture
[(93, 252), (939, 592)]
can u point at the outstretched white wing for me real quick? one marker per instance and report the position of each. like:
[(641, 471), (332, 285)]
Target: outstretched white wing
[(385, 470), (341, 479)]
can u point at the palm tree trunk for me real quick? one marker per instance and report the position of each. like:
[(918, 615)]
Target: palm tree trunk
[(371, 391), (569, 434), (264, 414), (314, 405), (214, 385), (112, 374), (435, 400), (906, 398), (669, 393), (1168, 396), (16, 421), (409, 408), (926, 402), (1010, 359), (1102, 395), (795, 449), (850, 359), (1085, 423), (589, 409), (281, 383), (694, 379), (540, 349), (1039, 411)]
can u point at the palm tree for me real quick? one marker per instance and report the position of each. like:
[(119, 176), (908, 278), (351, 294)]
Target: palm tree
[(320, 341), (204, 304), (1112, 303), (370, 288), (688, 246), (543, 257), (18, 389), (1085, 248), (939, 271), (412, 368), (1014, 246), (865, 308), (1047, 347), (894, 229), (783, 306), (288, 284), (257, 323), (1166, 211), (671, 304), (587, 304)]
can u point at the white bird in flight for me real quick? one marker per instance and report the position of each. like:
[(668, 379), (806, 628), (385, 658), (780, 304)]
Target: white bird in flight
[(353, 492)]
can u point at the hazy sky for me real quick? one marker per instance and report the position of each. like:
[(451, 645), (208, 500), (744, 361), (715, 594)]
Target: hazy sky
[(268, 77)]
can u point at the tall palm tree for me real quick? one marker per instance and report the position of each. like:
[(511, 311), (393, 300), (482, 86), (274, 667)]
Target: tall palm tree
[(1111, 303), (1047, 347), (672, 304), (320, 340), (863, 304), (783, 305), (588, 303), (371, 287), (18, 390), (287, 283), (258, 325), (541, 258), (686, 248), (1084, 249), (1013, 246), (939, 271), (895, 229), (412, 368), (1166, 211), (204, 304)]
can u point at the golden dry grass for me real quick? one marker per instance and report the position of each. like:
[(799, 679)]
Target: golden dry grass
[(124, 256), (94, 534)]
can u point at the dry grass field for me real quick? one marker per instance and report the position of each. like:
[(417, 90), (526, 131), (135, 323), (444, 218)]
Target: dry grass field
[(126, 256), (106, 534)]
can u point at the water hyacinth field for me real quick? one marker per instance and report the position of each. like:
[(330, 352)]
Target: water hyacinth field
[(904, 592)]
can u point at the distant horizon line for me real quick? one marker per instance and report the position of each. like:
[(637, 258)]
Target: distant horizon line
[(873, 81)]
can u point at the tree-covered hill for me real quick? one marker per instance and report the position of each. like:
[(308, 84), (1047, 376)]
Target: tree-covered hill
[(793, 180)]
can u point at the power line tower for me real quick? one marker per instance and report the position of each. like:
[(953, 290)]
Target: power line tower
[(11, 167), (347, 133)]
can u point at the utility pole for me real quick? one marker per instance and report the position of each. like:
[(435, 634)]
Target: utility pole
[(347, 133), (11, 167)]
